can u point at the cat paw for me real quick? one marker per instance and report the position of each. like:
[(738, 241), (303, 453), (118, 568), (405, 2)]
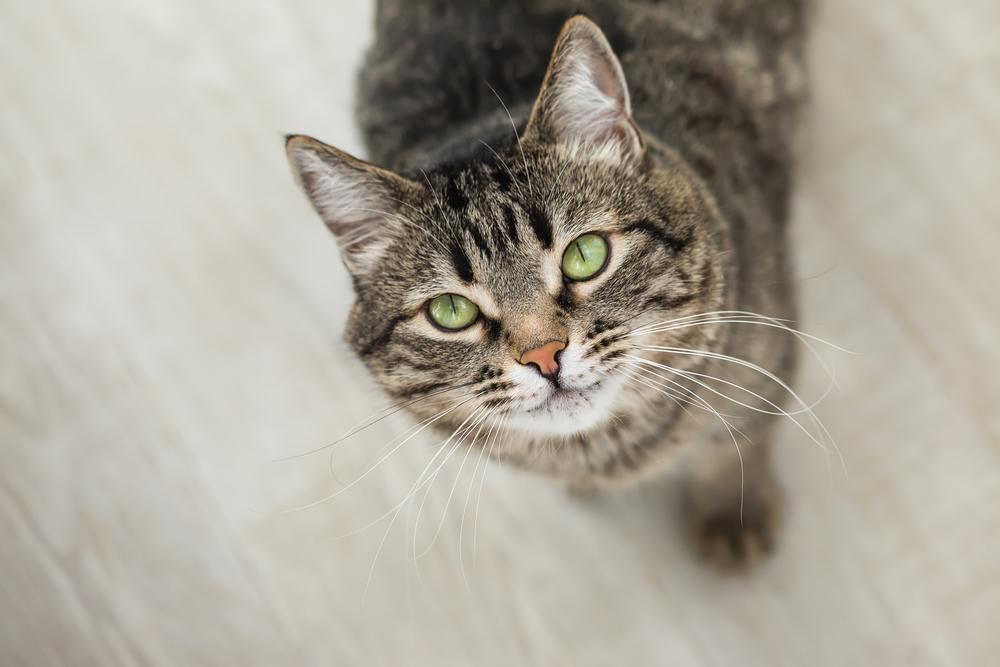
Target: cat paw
[(729, 540)]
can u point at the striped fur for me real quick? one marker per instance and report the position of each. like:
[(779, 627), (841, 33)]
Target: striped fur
[(684, 170)]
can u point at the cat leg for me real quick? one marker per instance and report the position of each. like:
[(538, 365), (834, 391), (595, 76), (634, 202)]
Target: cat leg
[(732, 524)]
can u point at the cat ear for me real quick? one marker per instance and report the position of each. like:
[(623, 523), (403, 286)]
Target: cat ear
[(358, 201), (584, 101)]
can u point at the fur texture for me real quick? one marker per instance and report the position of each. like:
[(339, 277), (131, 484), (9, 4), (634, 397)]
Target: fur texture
[(677, 151)]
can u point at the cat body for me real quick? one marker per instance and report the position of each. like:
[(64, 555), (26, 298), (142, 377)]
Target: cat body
[(494, 160)]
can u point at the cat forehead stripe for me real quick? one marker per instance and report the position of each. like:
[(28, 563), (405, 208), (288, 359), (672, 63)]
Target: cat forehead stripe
[(460, 261)]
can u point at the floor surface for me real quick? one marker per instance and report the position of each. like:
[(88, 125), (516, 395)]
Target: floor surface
[(170, 313)]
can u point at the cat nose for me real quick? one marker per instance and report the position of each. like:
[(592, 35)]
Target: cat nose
[(545, 358)]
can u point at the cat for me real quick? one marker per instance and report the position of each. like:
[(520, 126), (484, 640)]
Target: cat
[(575, 246)]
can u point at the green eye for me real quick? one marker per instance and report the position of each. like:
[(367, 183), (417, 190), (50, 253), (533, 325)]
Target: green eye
[(585, 257), (452, 311)]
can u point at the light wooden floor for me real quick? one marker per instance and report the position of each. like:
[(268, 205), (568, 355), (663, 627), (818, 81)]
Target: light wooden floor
[(169, 324)]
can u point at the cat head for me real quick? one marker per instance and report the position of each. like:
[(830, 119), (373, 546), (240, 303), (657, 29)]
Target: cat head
[(509, 285)]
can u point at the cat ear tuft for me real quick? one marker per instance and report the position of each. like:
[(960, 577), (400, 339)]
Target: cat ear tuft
[(357, 201), (584, 101)]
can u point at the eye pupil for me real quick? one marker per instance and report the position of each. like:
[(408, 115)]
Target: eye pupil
[(585, 258)]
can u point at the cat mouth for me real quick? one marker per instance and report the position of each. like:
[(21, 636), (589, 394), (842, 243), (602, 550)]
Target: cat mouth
[(566, 399), (566, 410)]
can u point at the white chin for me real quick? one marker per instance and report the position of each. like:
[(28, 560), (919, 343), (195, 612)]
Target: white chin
[(568, 412)]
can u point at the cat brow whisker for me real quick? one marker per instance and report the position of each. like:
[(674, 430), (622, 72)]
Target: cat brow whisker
[(416, 210), (505, 166), (350, 240), (400, 219), (437, 199), (527, 174)]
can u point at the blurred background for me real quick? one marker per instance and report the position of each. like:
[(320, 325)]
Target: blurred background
[(170, 318)]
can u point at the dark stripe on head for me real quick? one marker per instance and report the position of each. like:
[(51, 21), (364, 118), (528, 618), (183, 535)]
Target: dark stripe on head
[(461, 261), (492, 329), (502, 177), (401, 360), (383, 338), (541, 226), (477, 238), (499, 236), (425, 388), (675, 243), (564, 298), (455, 197), (495, 402), (612, 354), (668, 302), (511, 219)]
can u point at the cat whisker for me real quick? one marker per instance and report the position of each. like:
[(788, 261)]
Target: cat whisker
[(378, 552), (732, 430), (477, 425), (527, 174), (381, 460), (482, 481), (468, 495), (363, 424), (740, 317), (630, 374), (817, 423), (437, 199), (413, 490), (399, 506), (427, 219), (400, 219), (707, 315), (505, 166), (687, 395), (778, 411), (388, 529), (765, 322)]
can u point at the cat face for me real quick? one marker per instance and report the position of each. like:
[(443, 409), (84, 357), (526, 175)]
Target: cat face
[(508, 286)]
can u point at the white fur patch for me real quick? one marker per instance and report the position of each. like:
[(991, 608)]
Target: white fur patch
[(583, 400)]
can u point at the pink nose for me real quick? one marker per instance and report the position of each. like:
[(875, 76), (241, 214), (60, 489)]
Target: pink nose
[(544, 357)]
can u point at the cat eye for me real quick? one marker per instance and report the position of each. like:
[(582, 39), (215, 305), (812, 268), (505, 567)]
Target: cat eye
[(585, 257), (452, 312)]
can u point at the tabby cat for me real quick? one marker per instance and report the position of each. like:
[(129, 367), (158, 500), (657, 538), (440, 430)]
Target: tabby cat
[(574, 248)]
